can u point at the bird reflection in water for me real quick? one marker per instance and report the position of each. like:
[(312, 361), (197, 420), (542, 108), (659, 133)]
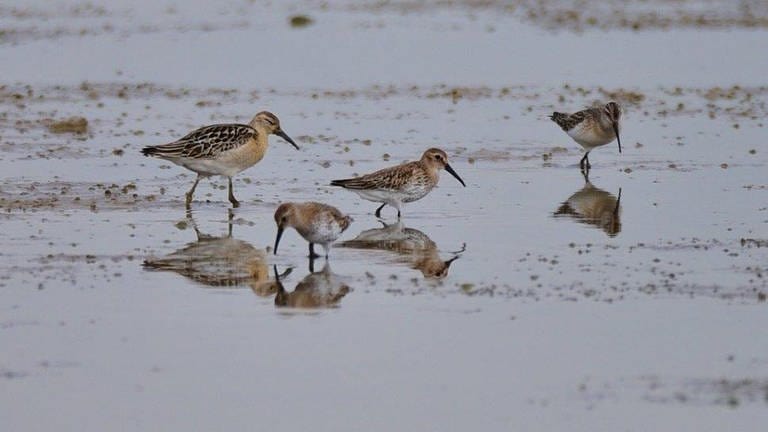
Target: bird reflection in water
[(594, 206), (412, 246), (221, 262), (323, 289)]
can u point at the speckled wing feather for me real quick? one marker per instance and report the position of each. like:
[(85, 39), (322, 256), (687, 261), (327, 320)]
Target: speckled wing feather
[(343, 220), (205, 143), (568, 121), (393, 178)]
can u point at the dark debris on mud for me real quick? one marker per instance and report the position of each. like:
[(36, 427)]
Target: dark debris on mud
[(578, 16), (729, 392), (734, 102), (29, 23)]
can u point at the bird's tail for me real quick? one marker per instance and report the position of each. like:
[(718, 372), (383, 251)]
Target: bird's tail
[(149, 151), (171, 150), (558, 117), (565, 209)]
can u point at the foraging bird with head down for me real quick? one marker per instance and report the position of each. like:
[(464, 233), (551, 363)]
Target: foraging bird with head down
[(591, 128), (221, 149), (403, 183), (315, 222)]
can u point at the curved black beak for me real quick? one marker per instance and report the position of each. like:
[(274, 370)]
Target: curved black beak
[(453, 173), (618, 203), (277, 240), (616, 131), (448, 263), (285, 136)]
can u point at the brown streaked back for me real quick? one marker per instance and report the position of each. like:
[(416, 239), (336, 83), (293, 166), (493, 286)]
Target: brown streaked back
[(392, 178)]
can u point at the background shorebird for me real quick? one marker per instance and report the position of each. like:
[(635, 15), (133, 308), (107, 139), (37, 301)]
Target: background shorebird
[(221, 149), (591, 128), (403, 183)]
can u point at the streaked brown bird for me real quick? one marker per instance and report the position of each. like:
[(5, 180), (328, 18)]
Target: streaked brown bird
[(315, 222), (591, 128), (403, 183), (221, 149)]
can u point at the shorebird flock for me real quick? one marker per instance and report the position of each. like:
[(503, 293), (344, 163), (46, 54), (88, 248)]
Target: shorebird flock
[(228, 149)]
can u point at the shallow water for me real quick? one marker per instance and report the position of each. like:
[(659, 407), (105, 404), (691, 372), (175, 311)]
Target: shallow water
[(120, 310)]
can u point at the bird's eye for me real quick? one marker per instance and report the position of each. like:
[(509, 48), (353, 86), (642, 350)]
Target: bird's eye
[(284, 219)]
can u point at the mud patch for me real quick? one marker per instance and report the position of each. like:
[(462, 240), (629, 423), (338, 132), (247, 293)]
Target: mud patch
[(75, 125)]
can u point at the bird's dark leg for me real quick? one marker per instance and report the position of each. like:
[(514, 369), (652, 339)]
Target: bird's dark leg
[(585, 174), (235, 202), (312, 254), (585, 162), (378, 210), (191, 192), (398, 213)]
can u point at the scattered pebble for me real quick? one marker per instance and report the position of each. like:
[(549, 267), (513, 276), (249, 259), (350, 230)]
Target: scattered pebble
[(300, 21)]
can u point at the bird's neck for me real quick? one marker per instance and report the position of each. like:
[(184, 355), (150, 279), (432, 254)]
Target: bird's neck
[(263, 133)]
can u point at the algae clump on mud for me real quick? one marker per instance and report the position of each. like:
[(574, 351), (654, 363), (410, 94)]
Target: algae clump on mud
[(77, 125)]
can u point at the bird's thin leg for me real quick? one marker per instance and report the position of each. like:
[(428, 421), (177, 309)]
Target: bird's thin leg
[(192, 192), (235, 202), (398, 213), (585, 163), (312, 254), (378, 210), (585, 174)]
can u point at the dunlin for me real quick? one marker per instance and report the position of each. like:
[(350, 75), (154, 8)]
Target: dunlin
[(403, 183), (315, 222), (591, 128)]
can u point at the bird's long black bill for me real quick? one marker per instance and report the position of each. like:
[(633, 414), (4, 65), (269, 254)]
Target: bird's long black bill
[(277, 240), (616, 131), (453, 173), (285, 136)]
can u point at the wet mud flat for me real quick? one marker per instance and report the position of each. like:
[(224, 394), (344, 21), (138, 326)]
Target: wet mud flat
[(127, 116), (541, 236), (534, 298)]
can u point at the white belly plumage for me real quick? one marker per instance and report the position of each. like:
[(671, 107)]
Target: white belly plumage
[(227, 164), (591, 137), (391, 197), (323, 231), (210, 167)]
